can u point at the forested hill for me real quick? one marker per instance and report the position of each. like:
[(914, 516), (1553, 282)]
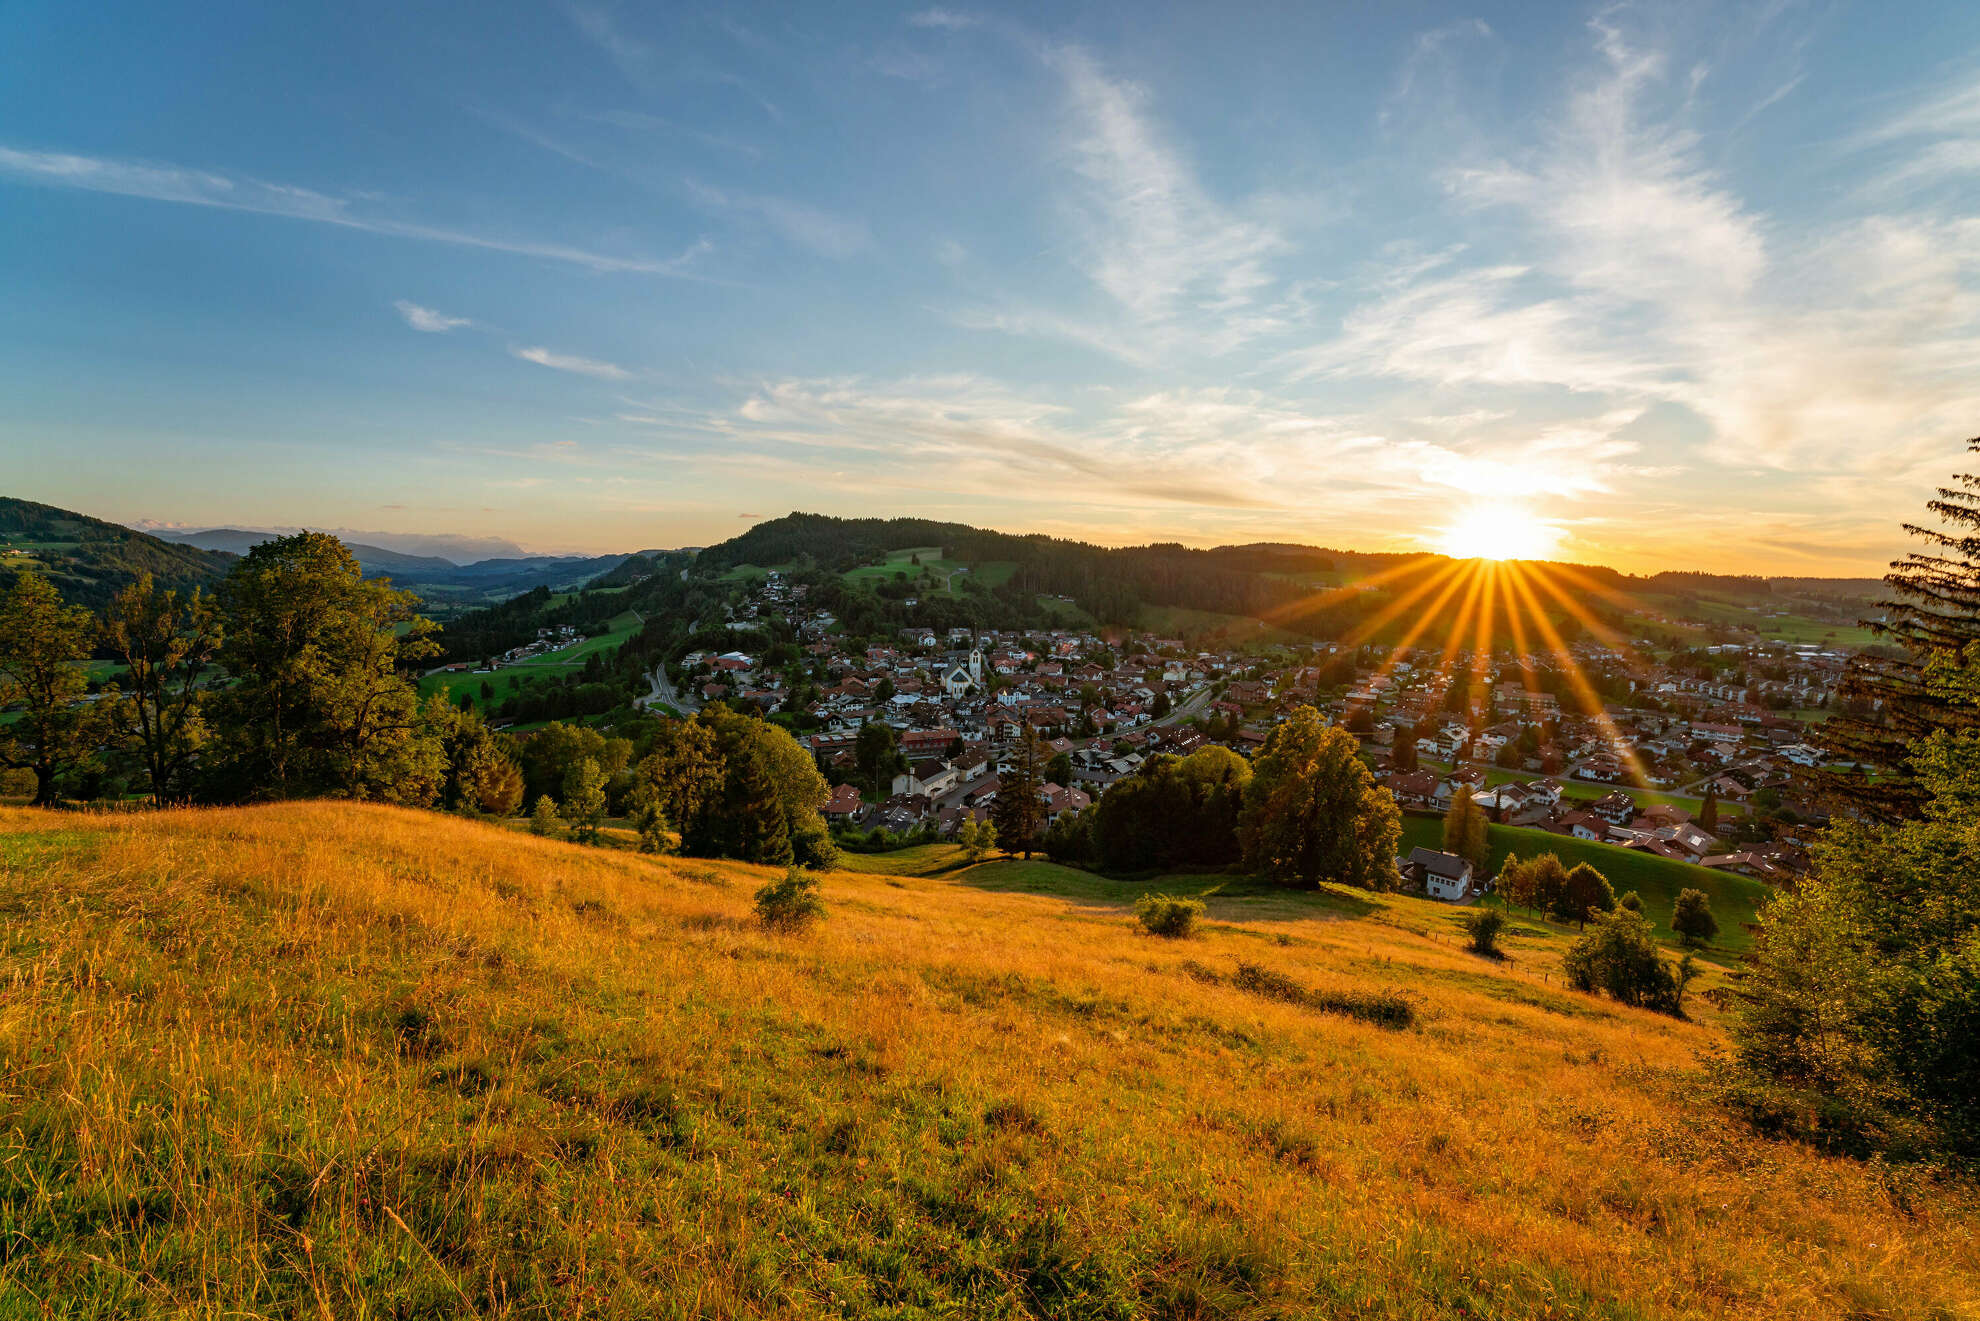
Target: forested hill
[(1285, 583), (88, 560)]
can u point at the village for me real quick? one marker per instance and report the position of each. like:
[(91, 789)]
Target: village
[(1672, 763)]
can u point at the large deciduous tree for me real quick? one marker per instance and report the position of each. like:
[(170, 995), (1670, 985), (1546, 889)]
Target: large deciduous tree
[(42, 645), (1313, 812), (168, 643), (320, 703)]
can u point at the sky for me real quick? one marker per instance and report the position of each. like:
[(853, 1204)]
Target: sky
[(1657, 286)]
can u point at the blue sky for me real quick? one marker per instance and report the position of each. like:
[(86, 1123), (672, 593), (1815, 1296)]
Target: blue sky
[(1685, 285)]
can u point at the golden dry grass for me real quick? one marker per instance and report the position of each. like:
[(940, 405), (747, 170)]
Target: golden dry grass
[(330, 1060)]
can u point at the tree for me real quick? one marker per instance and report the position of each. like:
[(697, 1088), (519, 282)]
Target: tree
[(1632, 901), (675, 781), (1510, 884), (1018, 810), (1059, 770), (876, 753), (1313, 812), (481, 770), (1546, 883), (543, 818), (1162, 705), (1708, 811), (977, 838), (1584, 892), (750, 824), (166, 643), (584, 800), (42, 643), (320, 704), (1465, 828), (1692, 918), (1890, 703), (1619, 956)]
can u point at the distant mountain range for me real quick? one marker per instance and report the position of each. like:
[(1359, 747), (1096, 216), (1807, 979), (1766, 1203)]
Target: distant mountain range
[(89, 559), (453, 548)]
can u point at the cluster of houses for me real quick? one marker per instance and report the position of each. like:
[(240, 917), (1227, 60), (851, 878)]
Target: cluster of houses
[(959, 701)]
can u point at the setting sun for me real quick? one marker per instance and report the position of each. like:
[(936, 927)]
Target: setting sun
[(1498, 532)]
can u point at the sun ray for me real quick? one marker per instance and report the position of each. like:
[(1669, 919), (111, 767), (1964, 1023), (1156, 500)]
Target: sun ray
[(1590, 701)]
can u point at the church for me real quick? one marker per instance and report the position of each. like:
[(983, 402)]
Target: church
[(958, 680)]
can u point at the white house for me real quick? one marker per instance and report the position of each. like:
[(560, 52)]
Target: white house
[(1443, 876)]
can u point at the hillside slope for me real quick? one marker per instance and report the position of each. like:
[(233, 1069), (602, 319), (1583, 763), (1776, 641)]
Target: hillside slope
[(272, 1061), (89, 560)]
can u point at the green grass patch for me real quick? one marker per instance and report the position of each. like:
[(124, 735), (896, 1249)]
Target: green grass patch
[(1735, 899)]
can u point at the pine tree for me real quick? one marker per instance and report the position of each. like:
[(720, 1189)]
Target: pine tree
[(543, 818), (1935, 613), (753, 817), (1708, 811), (1018, 812), (1465, 828)]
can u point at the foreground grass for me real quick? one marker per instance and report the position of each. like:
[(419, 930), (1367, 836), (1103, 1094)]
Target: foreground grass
[(329, 1060)]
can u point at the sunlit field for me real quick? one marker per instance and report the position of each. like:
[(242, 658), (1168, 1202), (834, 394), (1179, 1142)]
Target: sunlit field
[(325, 1060)]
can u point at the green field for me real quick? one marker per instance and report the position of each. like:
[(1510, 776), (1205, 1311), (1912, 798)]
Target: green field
[(936, 570), (1588, 793), (1735, 899), (509, 678), (1789, 627), (1065, 612)]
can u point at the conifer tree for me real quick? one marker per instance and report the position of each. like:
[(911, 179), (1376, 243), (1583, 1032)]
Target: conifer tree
[(1018, 812), (1888, 704)]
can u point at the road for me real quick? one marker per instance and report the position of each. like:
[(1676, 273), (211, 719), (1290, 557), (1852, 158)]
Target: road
[(663, 691)]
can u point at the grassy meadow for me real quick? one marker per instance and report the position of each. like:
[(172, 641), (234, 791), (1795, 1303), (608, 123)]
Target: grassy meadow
[(328, 1060)]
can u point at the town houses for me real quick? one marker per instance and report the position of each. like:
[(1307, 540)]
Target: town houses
[(1592, 744)]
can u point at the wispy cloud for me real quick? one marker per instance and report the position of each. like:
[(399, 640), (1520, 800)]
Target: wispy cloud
[(1154, 239), (949, 19), (189, 187), (428, 320), (569, 362), (803, 224)]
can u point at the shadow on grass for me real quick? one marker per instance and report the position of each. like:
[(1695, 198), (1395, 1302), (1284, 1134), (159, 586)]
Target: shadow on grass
[(1227, 898)]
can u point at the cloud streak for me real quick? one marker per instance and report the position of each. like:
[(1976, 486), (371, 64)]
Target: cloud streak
[(190, 187), (569, 362), (427, 320)]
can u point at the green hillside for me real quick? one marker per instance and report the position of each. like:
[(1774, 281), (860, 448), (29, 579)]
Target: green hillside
[(1735, 899), (89, 560)]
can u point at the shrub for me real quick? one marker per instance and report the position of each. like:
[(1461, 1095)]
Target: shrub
[(1484, 925), (1692, 919), (1167, 915), (1619, 956), (1632, 901), (543, 819), (791, 903)]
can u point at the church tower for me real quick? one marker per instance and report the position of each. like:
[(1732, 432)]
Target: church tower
[(976, 666)]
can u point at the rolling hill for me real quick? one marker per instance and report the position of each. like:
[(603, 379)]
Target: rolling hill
[(89, 560), (331, 1059)]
